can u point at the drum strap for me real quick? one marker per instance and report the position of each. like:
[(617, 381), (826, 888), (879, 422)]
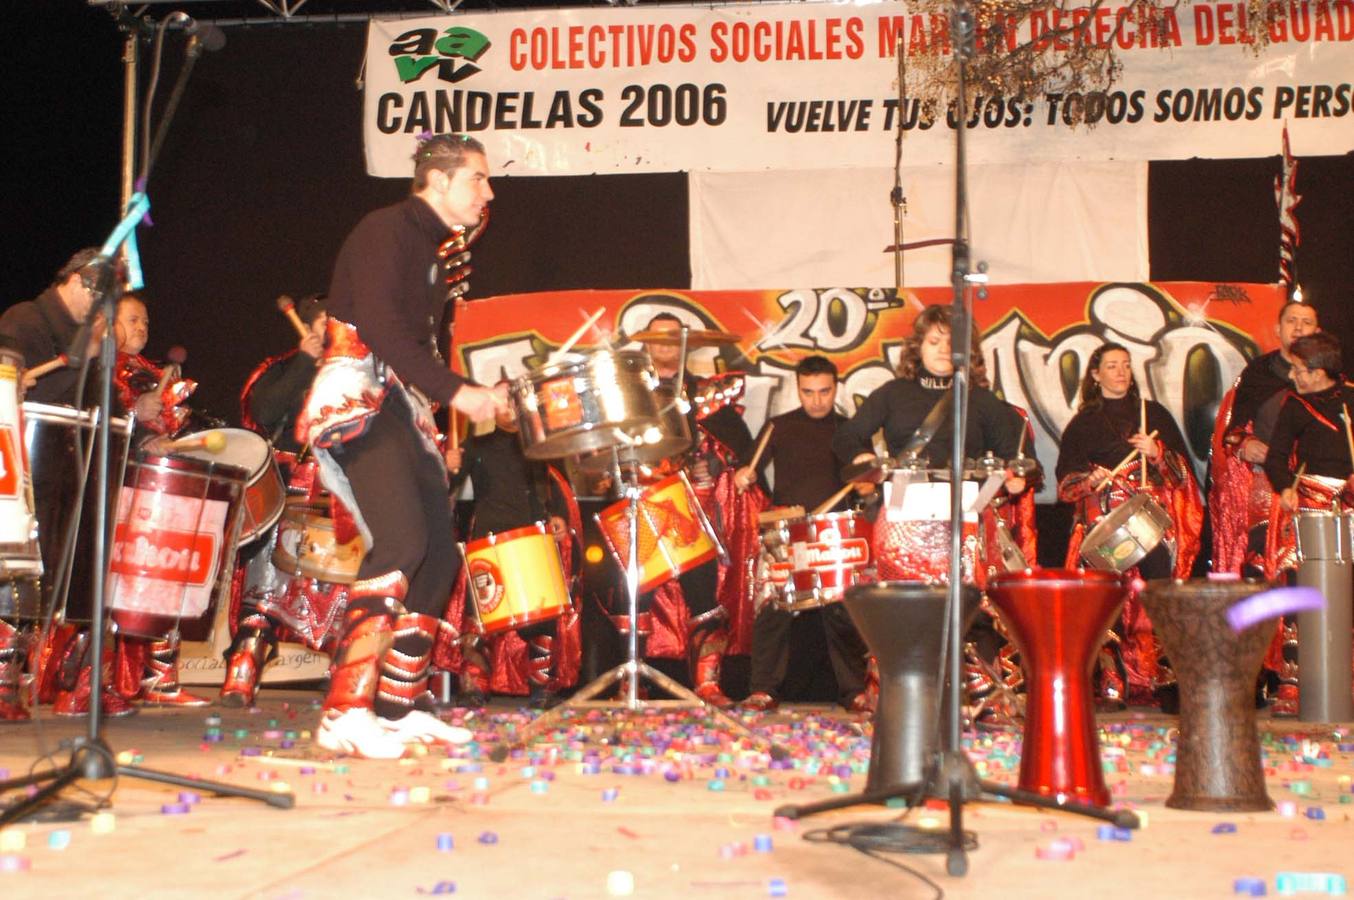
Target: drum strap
[(1316, 414)]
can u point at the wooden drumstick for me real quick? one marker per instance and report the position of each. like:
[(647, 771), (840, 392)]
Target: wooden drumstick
[(1142, 427), (1349, 434), (761, 446), (174, 360), (288, 309), (211, 441), (582, 329), (1123, 462), (454, 430), (51, 365), (833, 500)]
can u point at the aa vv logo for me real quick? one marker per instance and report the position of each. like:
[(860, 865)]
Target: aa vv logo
[(452, 53)]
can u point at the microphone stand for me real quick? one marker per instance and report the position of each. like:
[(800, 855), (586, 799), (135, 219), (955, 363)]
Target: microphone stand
[(952, 776), (91, 757)]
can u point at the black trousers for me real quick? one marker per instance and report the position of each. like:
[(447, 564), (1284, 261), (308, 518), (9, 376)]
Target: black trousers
[(401, 493), (771, 649), (698, 589)]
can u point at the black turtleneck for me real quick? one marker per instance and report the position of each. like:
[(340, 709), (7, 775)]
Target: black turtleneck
[(899, 407), (1311, 425), (1098, 435)]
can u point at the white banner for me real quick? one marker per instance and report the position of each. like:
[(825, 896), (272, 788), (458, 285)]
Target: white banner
[(1032, 223), (812, 85)]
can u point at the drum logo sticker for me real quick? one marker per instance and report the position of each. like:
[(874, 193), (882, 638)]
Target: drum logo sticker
[(832, 554), (563, 409), (183, 557), (488, 582)]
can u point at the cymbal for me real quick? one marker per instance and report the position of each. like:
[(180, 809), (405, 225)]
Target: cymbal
[(694, 338)]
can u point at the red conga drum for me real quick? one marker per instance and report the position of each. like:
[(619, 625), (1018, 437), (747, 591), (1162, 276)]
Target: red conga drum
[(1217, 757), (1057, 619)]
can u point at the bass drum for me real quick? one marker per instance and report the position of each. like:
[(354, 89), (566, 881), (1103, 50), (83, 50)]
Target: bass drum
[(264, 495)]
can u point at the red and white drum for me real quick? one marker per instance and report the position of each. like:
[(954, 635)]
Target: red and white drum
[(912, 533), (516, 578), (674, 534), (265, 495), (174, 541), (19, 556), (829, 553)]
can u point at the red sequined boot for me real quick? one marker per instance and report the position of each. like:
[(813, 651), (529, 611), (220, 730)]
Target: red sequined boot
[(255, 645), (160, 686), (403, 703), (13, 652), (706, 644)]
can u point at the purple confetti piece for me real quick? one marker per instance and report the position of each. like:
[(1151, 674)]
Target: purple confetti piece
[(234, 854), (1272, 604)]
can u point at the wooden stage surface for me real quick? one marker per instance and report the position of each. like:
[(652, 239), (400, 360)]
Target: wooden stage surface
[(662, 805)]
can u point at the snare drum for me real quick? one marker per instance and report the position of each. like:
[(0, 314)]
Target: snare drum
[(674, 534), (588, 402), (911, 539), (515, 578), (306, 546), (828, 553), (174, 542), (265, 495), (1120, 540)]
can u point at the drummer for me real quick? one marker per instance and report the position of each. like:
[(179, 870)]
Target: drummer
[(271, 401), (514, 492), (721, 440), (374, 440), (799, 447), (42, 330), (149, 669), (1311, 434), (1097, 475), (1239, 503)]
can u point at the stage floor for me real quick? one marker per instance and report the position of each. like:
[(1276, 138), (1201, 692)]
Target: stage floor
[(662, 804)]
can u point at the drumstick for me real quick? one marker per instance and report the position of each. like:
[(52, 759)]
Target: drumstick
[(1349, 434), (833, 500), (174, 359), (761, 445), (51, 365), (455, 431), (573, 338), (288, 308), (1142, 426), (1123, 462), (211, 441)]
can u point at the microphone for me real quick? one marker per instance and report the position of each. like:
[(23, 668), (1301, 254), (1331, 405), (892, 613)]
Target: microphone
[(210, 37)]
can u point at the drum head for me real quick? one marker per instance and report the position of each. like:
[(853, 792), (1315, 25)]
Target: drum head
[(244, 449)]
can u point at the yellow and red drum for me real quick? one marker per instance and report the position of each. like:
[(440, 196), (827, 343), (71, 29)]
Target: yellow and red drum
[(674, 534), (516, 578)]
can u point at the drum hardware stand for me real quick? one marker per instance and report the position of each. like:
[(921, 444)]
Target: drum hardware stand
[(91, 757), (628, 674), (952, 775)]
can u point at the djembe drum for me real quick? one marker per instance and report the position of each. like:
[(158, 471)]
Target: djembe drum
[(1057, 619), (903, 622), (1217, 758)]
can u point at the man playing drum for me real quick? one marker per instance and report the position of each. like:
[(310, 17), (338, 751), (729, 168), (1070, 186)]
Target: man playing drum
[(806, 475), (270, 403), (376, 448), (1096, 474), (1238, 501), (721, 439), (42, 331), (515, 494)]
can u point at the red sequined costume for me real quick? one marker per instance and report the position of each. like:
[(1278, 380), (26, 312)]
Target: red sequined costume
[(135, 375), (1098, 436)]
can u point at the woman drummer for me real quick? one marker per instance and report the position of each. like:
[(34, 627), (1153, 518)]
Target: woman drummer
[(1311, 436), (925, 375), (1097, 474)]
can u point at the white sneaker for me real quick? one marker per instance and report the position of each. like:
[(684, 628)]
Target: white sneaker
[(418, 727), (357, 732)]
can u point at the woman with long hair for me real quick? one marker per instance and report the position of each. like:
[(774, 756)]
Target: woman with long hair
[(1113, 420)]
